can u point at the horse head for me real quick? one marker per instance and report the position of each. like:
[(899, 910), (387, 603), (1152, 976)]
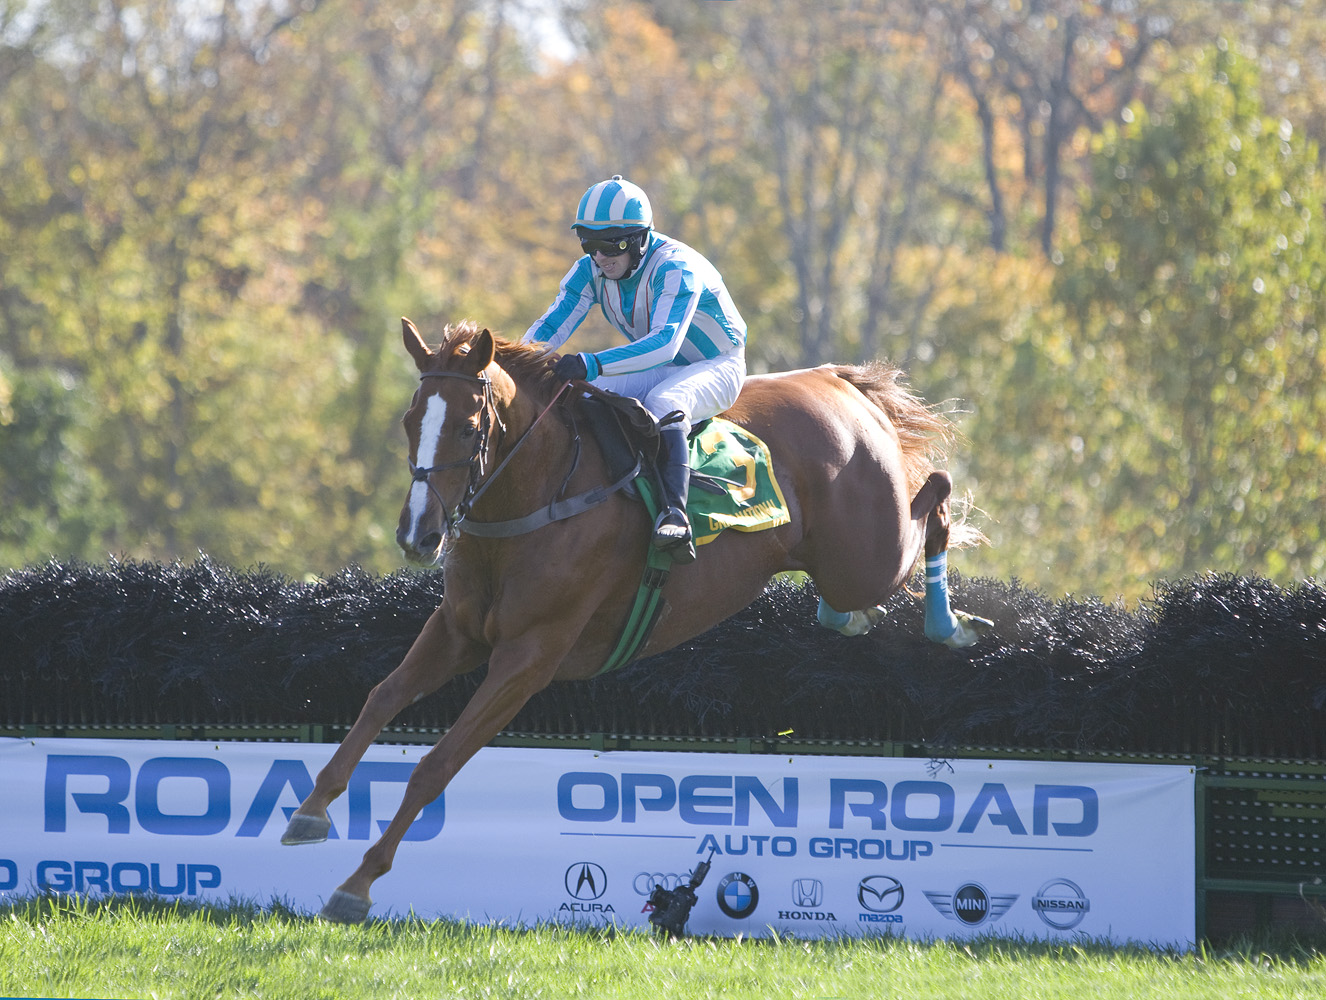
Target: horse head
[(449, 427)]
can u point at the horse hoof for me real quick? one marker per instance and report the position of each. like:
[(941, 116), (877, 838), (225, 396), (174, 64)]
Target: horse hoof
[(969, 631), (861, 622), (346, 908), (306, 830)]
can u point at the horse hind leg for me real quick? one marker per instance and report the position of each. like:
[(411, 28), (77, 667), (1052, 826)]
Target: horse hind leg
[(849, 622), (932, 495), (955, 629)]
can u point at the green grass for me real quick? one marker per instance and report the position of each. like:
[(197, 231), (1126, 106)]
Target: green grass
[(127, 948)]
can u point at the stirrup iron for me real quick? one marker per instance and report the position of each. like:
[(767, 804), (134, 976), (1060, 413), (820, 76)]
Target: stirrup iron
[(672, 533)]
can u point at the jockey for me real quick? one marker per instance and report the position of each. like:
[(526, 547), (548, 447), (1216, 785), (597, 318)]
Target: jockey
[(687, 350)]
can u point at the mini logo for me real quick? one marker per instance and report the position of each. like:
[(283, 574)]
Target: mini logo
[(1061, 904), (970, 904), (585, 880), (879, 894), (738, 895), (807, 892)]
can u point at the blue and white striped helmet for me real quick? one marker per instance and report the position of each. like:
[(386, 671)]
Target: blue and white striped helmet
[(614, 204)]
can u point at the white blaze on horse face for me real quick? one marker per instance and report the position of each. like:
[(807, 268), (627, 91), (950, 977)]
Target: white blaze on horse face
[(430, 433)]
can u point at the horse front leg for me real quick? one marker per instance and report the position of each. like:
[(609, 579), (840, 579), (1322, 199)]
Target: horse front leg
[(516, 672), (435, 657)]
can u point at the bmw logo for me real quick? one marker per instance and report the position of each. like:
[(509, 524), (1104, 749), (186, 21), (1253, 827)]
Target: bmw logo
[(738, 895)]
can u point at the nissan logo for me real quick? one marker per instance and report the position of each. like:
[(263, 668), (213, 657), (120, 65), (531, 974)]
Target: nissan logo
[(879, 894), (1061, 904), (585, 880)]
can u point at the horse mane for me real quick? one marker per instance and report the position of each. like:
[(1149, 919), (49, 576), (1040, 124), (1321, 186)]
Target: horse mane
[(527, 364)]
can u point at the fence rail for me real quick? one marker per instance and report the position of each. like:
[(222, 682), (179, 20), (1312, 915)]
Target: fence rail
[(1261, 823)]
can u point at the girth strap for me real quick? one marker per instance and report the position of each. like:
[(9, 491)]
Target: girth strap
[(644, 612)]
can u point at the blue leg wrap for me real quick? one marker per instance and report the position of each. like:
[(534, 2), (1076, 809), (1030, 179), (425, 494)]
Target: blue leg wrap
[(830, 618), (940, 622)]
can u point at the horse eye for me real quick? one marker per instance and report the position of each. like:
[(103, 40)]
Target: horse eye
[(468, 431)]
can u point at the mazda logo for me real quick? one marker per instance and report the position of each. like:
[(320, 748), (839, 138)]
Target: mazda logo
[(586, 880), (879, 894)]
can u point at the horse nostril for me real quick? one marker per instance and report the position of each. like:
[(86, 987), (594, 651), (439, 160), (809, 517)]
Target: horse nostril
[(431, 542)]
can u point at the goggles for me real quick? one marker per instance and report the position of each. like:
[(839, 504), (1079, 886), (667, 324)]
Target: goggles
[(609, 248)]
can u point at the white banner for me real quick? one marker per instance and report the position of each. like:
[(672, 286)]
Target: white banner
[(812, 846)]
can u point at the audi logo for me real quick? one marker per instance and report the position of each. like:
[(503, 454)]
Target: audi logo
[(646, 882)]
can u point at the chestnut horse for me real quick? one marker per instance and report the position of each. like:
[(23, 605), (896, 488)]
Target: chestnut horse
[(852, 450)]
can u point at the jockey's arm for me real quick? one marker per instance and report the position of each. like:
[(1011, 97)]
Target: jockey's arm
[(574, 299), (675, 299)]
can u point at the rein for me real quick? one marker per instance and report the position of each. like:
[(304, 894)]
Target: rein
[(520, 441)]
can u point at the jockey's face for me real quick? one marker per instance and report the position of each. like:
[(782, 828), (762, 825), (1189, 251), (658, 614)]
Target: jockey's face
[(616, 267)]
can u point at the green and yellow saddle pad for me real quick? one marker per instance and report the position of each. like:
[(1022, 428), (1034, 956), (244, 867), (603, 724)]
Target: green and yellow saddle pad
[(747, 496)]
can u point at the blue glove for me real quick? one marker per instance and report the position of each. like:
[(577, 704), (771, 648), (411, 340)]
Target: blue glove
[(571, 367)]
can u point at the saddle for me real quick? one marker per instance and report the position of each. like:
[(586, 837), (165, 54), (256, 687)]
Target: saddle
[(627, 433)]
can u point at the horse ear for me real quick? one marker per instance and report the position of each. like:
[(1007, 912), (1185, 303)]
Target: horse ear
[(481, 353), (415, 344)]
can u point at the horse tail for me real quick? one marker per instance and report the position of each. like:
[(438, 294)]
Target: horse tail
[(924, 434)]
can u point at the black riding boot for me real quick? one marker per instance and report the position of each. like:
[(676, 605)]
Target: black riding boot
[(672, 530)]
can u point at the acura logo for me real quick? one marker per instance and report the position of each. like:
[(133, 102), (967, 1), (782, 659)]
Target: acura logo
[(879, 894), (585, 880)]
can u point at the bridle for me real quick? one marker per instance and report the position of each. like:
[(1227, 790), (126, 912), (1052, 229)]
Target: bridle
[(477, 460)]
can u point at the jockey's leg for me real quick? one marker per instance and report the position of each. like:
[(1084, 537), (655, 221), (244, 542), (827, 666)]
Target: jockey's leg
[(694, 392), (672, 530)]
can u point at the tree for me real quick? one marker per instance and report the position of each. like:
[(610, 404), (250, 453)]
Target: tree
[(1174, 425), (1050, 67)]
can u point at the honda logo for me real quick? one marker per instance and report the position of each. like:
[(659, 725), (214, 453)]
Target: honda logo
[(807, 892)]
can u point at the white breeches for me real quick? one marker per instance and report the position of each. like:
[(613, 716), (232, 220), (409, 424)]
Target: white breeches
[(700, 390)]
